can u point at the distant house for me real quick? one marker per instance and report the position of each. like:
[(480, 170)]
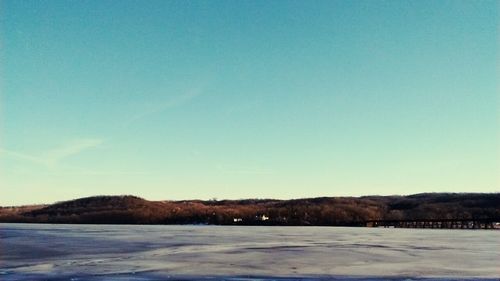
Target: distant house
[(263, 218)]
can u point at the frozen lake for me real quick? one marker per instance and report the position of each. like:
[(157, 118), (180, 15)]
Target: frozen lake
[(125, 252)]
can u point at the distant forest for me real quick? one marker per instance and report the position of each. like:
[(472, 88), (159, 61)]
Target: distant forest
[(323, 211)]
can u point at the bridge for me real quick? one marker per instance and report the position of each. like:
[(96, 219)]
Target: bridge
[(437, 223)]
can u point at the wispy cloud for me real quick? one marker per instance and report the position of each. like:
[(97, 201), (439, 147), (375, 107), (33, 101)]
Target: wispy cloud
[(51, 158), (164, 105), (54, 156), (22, 156)]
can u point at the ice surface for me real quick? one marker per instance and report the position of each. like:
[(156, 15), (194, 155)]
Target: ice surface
[(125, 252)]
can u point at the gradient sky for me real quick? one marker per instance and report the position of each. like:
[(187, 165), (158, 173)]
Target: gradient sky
[(247, 99)]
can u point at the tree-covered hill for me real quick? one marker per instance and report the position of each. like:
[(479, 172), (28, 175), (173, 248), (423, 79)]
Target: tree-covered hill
[(346, 211)]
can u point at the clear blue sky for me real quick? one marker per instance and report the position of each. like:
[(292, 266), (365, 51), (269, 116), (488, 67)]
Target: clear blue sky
[(247, 99)]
